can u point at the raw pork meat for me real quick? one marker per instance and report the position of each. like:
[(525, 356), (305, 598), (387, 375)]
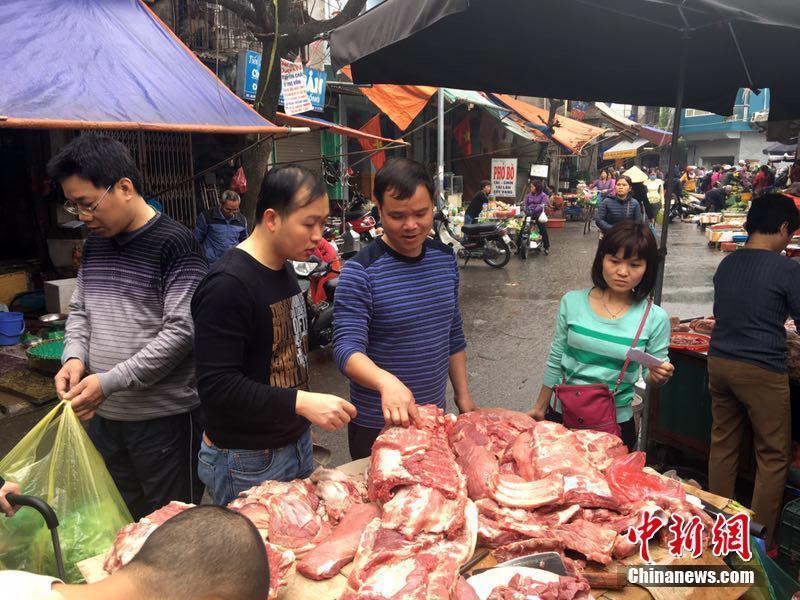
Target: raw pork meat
[(464, 591), (297, 521), (416, 508), (593, 541), (479, 466), (516, 492), (280, 561), (338, 491), (388, 566), (491, 428), (601, 448), (328, 558), (521, 587), (131, 537), (255, 510), (418, 454)]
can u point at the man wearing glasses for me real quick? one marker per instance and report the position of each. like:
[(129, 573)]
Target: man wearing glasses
[(127, 365), (221, 228)]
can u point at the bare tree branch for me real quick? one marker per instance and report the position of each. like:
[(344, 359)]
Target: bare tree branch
[(306, 33), (239, 9)]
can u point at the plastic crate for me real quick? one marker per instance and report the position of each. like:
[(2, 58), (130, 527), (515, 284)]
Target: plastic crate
[(789, 533)]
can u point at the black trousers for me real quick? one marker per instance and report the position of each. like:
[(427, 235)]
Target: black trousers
[(360, 440), (152, 462), (543, 232), (627, 429)]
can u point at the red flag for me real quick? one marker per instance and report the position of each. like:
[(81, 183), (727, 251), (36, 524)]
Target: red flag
[(373, 127), (463, 134)]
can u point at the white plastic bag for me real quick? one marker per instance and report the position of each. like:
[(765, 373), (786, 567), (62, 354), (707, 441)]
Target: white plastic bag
[(542, 218)]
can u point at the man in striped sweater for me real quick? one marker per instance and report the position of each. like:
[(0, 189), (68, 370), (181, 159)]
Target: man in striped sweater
[(127, 365), (398, 329)]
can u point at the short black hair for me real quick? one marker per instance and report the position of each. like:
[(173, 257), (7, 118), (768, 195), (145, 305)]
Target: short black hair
[(634, 240), (768, 212), (205, 551), (402, 177), (96, 158), (485, 182), (279, 190), (537, 185)]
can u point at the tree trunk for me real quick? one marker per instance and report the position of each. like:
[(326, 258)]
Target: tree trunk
[(256, 161)]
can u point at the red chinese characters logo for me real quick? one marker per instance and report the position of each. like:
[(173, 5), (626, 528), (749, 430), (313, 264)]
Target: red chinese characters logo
[(731, 535), (685, 535), (651, 524)]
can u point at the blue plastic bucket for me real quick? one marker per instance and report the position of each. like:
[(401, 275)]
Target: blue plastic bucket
[(12, 325)]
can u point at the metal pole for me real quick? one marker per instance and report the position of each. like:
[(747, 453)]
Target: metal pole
[(676, 125), (440, 144)]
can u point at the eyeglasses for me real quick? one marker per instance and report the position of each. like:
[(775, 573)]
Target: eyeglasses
[(73, 208)]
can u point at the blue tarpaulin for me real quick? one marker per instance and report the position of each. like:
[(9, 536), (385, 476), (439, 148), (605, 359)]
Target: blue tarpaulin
[(109, 64)]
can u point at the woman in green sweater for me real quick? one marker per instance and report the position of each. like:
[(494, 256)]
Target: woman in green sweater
[(596, 326)]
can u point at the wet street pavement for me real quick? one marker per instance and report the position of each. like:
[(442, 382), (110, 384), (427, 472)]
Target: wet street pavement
[(509, 316)]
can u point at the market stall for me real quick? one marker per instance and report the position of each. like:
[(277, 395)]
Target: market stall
[(454, 496)]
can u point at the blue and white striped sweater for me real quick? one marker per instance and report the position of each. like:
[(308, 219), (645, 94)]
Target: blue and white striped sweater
[(403, 313)]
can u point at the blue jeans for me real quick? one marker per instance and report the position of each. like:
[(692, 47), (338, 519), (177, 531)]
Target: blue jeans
[(468, 220), (227, 473)]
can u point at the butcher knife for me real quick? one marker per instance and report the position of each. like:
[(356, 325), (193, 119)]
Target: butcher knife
[(756, 529), (552, 561)]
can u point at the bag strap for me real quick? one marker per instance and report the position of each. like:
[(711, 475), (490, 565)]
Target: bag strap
[(635, 341)]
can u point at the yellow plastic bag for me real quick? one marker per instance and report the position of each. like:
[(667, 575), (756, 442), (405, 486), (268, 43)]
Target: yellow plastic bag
[(58, 463)]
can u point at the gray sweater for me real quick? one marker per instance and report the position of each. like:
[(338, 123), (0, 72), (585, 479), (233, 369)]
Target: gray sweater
[(130, 319), (612, 211), (754, 292)]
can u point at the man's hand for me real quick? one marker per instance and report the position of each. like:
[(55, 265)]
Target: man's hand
[(325, 410), (660, 375), (85, 397), (465, 403), (5, 506), (398, 403), (68, 376)]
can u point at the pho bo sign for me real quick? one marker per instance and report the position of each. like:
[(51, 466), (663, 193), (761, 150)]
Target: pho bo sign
[(504, 177)]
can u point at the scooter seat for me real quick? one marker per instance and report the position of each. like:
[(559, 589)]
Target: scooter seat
[(478, 228)]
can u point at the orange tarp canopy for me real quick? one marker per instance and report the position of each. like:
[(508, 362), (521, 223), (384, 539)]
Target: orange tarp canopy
[(568, 132), (401, 103)]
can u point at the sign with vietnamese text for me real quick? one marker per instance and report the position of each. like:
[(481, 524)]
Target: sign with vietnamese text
[(248, 69), (504, 177), (315, 88), (293, 88)]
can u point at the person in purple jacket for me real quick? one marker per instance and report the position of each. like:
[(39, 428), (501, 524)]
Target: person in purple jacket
[(535, 203), (605, 184)]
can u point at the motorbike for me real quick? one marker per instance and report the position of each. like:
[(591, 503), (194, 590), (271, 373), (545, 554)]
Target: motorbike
[(320, 315), (529, 238), (485, 241), (683, 208)]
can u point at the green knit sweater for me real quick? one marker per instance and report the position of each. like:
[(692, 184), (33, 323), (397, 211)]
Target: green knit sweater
[(590, 349)]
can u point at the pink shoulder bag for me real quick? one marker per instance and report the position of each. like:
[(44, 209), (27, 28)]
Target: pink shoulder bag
[(592, 406)]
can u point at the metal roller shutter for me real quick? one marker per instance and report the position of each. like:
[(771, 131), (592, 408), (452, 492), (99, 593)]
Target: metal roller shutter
[(304, 149)]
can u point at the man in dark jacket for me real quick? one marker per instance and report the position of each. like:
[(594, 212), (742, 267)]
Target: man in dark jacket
[(222, 227), (476, 205)]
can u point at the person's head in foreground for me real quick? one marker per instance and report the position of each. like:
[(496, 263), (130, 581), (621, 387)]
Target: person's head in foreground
[(101, 184), (626, 260), (204, 553), (404, 193), (291, 213), (771, 221)]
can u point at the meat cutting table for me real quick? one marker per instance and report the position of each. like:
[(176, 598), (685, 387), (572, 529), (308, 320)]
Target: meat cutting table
[(300, 588)]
